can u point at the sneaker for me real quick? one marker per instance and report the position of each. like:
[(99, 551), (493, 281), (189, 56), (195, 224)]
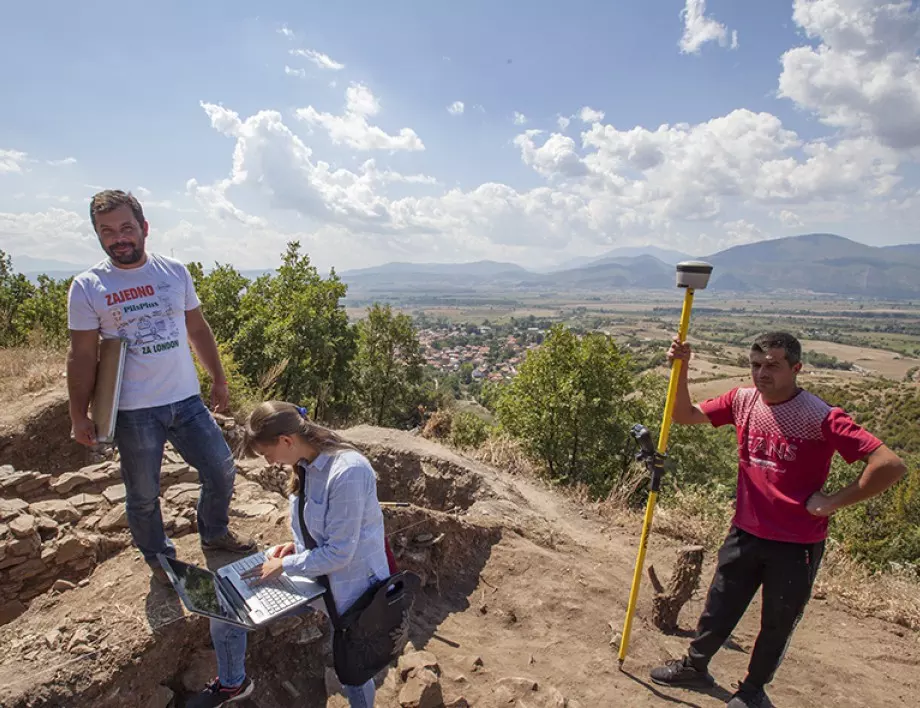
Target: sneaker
[(680, 672), (746, 698), (229, 542), (217, 695)]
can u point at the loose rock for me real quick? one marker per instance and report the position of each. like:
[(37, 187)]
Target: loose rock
[(418, 660), (23, 525), (61, 511), (116, 518), (11, 507), (115, 494), (86, 502), (421, 690)]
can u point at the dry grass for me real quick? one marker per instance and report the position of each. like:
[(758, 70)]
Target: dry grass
[(893, 596), (505, 454), (28, 370)]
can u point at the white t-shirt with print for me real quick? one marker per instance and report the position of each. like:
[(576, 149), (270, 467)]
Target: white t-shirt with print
[(147, 307)]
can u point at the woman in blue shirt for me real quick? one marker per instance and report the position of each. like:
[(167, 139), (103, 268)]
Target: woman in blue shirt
[(343, 516)]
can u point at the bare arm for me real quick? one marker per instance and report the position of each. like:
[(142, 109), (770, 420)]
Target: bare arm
[(81, 380), (685, 411), (205, 346), (884, 469)]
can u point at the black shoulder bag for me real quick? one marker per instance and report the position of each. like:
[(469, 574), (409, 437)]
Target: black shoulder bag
[(375, 629)]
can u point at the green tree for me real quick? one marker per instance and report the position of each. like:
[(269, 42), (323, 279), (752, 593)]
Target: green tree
[(389, 367), (44, 313), (293, 324), (220, 292), (571, 406), (15, 291)]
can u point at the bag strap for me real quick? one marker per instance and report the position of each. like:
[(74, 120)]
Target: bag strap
[(310, 543)]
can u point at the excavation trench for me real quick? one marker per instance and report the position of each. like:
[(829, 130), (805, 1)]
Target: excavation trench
[(113, 638)]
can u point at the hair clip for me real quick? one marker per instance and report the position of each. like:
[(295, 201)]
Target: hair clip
[(302, 411)]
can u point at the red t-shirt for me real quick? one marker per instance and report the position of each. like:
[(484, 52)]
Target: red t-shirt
[(784, 456)]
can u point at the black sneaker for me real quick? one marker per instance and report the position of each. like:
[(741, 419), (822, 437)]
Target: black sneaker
[(217, 695), (746, 698), (680, 672), (229, 542)]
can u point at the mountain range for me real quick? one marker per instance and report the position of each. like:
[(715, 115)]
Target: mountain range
[(819, 263)]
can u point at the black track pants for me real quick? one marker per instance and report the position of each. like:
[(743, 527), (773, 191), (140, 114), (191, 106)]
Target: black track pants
[(787, 573)]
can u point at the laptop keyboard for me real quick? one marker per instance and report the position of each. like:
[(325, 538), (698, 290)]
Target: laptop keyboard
[(275, 595)]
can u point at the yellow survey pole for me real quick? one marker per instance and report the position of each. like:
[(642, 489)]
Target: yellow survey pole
[(691, 276)]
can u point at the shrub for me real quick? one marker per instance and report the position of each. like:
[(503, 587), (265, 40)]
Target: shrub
[(468, 431)]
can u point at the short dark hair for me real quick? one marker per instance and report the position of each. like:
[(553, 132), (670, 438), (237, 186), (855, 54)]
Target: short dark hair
[(779, 340), (109, 200)]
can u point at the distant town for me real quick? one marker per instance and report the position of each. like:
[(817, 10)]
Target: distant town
[(485, 352)]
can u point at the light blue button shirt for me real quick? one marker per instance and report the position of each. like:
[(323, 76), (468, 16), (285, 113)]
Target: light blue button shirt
[(343, 516)]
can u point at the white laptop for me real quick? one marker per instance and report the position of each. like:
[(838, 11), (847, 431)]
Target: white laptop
[(224, 595)]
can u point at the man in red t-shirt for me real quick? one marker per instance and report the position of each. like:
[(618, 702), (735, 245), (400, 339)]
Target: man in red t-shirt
[(786, 440)]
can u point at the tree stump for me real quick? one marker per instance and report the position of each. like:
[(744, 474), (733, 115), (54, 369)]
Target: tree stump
[(666, 604)]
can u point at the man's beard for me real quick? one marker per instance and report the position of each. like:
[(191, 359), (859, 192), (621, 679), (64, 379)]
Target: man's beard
[(129, 257)]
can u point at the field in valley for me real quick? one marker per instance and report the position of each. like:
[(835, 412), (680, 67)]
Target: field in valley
[(856, 340)]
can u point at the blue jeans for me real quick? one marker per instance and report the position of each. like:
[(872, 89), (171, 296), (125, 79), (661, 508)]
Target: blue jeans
[(230, 646), (140, 436)]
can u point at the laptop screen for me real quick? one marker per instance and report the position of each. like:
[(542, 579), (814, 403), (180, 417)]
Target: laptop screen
[(199, 586)]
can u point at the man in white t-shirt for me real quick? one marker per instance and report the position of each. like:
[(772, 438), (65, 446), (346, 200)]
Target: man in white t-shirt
[(150, 301)]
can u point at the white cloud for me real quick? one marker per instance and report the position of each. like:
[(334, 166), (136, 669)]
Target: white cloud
[(864, 75), (790, 219), (699, 29), (269, 160), (369, 169), (676, 183), (299, 73), (63, 163), (286, 32), (455, 108), (590, 115), (361, 101), (519, 118), (35, 234), (12, 160), (143, 192), (563, 122), (323, 61), (557, 156), (352, 128), (687, 171), (740, 231)]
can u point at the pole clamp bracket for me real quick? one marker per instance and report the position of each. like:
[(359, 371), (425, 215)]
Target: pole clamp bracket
[(654, 460)]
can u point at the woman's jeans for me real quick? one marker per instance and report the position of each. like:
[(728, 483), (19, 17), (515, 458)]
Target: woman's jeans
[(230, 646)]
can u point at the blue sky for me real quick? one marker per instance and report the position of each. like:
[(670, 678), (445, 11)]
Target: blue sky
[(685, 124)]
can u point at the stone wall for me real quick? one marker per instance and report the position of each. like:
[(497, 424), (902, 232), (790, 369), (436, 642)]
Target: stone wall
[(55, 529)]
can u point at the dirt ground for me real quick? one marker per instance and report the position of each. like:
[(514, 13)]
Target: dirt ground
[(522, 588)]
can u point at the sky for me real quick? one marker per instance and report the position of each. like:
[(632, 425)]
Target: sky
[(452, 132)]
